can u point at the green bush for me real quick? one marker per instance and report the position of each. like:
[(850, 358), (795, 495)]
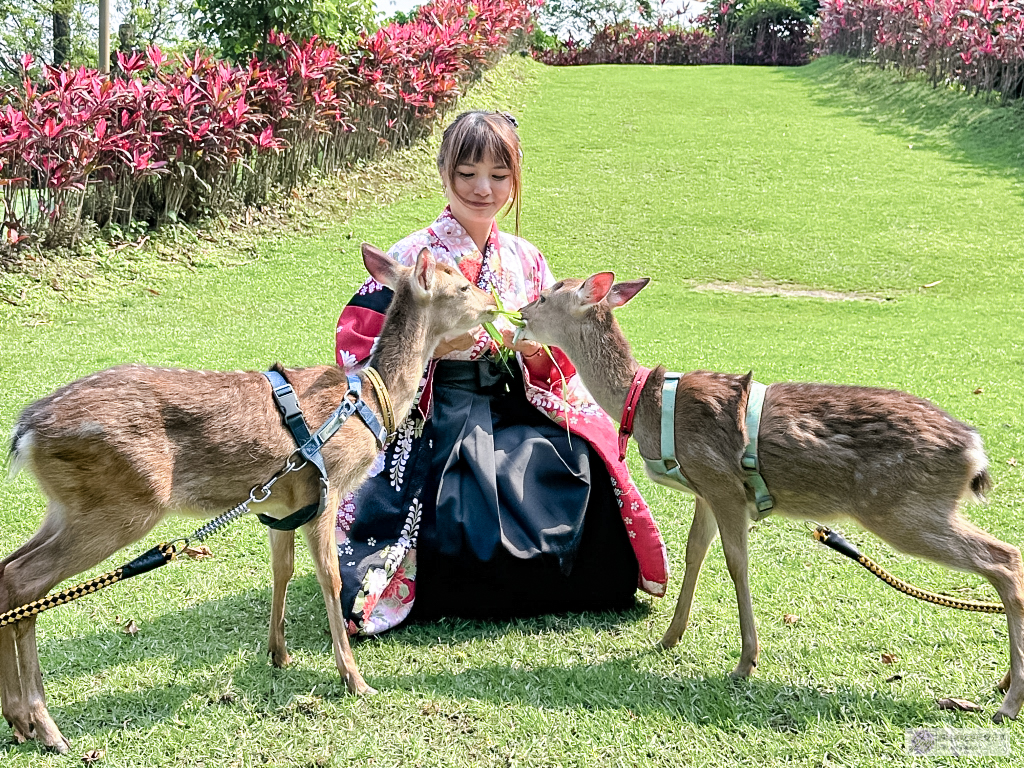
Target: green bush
[(241, 29)]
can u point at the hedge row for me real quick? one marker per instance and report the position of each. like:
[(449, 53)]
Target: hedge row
[(978, 44), (170, 140)]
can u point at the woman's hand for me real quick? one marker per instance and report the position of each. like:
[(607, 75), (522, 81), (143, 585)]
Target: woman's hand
[(456, 343), (525, 347)]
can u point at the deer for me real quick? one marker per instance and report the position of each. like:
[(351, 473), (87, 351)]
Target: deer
[(117, 451), (896, 464)]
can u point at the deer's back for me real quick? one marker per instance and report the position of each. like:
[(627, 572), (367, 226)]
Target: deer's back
[(162, 431), (834, 446)]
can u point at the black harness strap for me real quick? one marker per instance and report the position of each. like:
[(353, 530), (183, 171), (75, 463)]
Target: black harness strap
[(309, 444)]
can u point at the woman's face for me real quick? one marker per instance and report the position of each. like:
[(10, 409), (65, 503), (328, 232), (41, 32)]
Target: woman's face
[(479, 191)]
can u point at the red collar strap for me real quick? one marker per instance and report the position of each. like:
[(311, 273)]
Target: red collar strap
[(629, 410)]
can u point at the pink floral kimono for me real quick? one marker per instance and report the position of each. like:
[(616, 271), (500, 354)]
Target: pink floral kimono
[(378, 528)]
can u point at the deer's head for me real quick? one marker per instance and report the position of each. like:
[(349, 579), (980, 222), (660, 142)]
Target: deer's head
[(454, 305), (570, 305)]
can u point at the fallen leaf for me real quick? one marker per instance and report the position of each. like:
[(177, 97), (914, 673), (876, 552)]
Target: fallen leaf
[(92, 756), (962, 705), (153, 291), (888, 658), (789, 618), (978, 391), (931, 285), (894, 679), (131, 628), (1012, 462), (198, 553)]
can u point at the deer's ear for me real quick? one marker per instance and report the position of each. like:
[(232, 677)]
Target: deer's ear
[(623, 292), (424, 269), (381, 267), (595, 288)]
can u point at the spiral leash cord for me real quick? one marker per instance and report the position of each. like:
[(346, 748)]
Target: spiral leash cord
[(830, 538)]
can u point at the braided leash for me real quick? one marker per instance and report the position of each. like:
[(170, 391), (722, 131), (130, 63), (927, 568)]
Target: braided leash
[(830, 538), (159, 555)]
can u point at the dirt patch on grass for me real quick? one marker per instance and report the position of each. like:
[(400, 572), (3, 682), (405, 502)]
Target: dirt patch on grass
[(792, 291)]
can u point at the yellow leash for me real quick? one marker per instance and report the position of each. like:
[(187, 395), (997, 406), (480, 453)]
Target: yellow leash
[(387, 408), (830, 538), (159, 555)]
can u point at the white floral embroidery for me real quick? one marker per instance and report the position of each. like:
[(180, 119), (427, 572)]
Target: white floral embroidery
[(370, 286), (372, 542), (375, 581), (403, 447), (348, 360), (406, 540), (627, 520), (346, 514)]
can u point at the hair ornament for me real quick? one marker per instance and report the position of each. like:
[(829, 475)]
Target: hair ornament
[(511, 120)]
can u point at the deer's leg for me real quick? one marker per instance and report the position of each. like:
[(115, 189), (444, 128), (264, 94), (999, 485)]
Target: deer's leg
[(320, 538), (12, 694), (76, 544), (950, 539), (702, 533), (730, 510), (282, 563)]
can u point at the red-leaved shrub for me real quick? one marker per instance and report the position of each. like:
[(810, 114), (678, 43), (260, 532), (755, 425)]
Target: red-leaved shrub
[(976, 43), (171, 140)]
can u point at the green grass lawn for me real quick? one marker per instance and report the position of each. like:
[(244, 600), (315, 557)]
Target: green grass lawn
[(714, 181)]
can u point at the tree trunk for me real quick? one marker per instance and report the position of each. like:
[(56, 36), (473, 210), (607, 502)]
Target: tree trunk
[(61, 36)]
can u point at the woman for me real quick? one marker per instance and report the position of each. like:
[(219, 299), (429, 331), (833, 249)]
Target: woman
[(503, 494)]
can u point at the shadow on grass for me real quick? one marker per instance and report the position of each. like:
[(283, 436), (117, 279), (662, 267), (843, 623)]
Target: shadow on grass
[(979, 131), (712, 700), (199, 639)]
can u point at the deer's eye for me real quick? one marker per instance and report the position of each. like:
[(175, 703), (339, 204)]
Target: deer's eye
[(542, 299), (464, 289)]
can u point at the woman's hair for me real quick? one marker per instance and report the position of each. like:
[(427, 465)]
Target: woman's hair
[(473, 136)]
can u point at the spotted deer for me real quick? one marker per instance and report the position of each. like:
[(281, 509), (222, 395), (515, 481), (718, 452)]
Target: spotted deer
[(895, 463), (117, 451)]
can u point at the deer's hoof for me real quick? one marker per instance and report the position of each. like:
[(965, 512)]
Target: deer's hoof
[(742, 671), (666, 643), (60, 745), (357, 686), (280, 659), (48, 734), (1005, 713)]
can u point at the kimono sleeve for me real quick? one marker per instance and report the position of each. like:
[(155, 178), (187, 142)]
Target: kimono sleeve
[(360, 324)]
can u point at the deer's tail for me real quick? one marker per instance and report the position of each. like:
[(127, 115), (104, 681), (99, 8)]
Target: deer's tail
[(20, 448), (981, 480)]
